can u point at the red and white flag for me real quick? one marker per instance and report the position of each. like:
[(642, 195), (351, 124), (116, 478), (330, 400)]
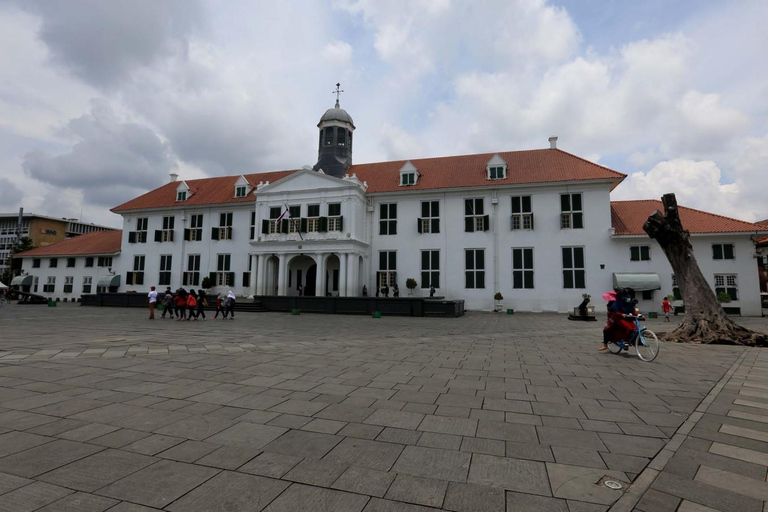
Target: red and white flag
[(285, 215)]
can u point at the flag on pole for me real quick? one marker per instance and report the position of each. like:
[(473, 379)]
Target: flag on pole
[(285, 215)]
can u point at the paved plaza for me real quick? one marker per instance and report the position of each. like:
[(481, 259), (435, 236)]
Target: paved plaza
[(101, 409)]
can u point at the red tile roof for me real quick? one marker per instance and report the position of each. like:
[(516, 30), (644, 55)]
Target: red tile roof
[(628, 217), (97, 242), (205, 191), (531, 166)]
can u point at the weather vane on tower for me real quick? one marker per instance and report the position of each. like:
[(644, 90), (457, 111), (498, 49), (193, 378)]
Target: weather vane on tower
[(338, 92)]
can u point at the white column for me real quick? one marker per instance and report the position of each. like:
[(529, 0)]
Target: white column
[(260, 274), (320, 281), (254, 272), (352, 286), (343, 274), (282, 275)]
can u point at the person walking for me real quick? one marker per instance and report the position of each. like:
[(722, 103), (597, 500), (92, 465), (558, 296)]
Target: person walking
[(220, 308), (365, 291), (431, 291), (192, 305), (167, 303), (395, 290), (230, 304), (666, 307), (181, 304), (201, 303), (385, 290), (152, 295)]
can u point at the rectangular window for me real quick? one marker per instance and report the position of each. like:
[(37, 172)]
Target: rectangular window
[(727, 283), (50, 285), (36, 283), (253, 225), (474, 219), (522, 268), (574, 273), (474, 273), (640, 253), (140, 235), (408, 178), (647, 295), (429, 222), (137, 276), (36, 263), (388, 219), (165, 234), (195, 231), (313, 218), (223, 262), (496, 173), (192, 275), (274, 214), (240, 191), (571, 213), (87, 283), (722, 251), (89, 262), (70, 262), (104, 261), (334, 217), (69, 282), (224, 231), (676, 289), (294, 222), (53, 263), (430, 268), (165, 269), (387, 274), (181, 195), (522, 212)]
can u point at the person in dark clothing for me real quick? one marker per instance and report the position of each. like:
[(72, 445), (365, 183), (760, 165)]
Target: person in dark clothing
[(220, 308), (168, 304), (395, 290), (385, 291), (431, 291), (230, 305), (365, 291), (201, 303), (181, 304), (618, 327)]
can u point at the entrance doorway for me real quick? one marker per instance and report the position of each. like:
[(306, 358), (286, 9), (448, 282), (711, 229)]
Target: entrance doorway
[(310, 287)]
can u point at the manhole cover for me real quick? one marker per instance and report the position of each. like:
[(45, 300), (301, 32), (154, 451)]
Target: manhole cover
[(613, 484)]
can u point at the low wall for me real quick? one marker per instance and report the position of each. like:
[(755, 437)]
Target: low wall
[(399, 306)]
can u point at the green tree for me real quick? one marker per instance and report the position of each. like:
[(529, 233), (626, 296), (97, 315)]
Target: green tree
[(14, 264)]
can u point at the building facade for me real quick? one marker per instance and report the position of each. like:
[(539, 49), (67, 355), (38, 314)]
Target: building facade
[(537, 226)]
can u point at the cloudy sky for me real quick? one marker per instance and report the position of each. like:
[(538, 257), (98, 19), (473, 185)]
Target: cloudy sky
[(99, 101)]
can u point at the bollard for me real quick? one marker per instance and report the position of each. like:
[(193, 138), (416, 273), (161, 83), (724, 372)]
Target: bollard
[(377, 314), (510, 311)]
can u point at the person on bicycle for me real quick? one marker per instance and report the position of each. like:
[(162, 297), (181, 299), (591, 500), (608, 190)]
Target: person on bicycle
[(618, 327)]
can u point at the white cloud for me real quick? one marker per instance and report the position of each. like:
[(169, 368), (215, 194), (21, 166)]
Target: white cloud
[(338, 53), (10, 195)]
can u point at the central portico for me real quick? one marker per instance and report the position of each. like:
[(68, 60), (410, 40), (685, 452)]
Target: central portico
[(312, 236)]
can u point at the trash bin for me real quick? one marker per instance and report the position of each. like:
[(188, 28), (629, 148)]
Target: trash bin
[(510, 311), (377, 314), (51, 303)]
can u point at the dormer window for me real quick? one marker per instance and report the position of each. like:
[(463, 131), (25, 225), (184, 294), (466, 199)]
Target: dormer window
[(181, 195), (409, 175), (496, 168), (241, 191)]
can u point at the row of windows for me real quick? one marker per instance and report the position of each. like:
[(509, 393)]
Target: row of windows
[(194, 233), (410, 176), (475, 219), (719, 252), (574, 272), (101, 261)]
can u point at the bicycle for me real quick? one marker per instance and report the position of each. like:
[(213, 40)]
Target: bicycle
[(646, 342)]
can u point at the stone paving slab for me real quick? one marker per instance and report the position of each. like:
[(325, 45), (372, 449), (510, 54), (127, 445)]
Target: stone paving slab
[(485, 412)]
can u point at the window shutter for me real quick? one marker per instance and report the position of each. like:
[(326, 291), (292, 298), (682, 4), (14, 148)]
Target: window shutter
[(264, 226), (158, 235), (717, 252), (214, 233), (229, 232), (323, 225), (186, 235), (728, 252), (435, 225), (634, 254), (303, 227), (486, 222), (469, 224), (212, 277), (185, 279), (418, 225), (341, 223), (531, 221), (230, 279), (139, 277), (578, 220), (284, 226), (129, 278), (246, 279), (132, 237)]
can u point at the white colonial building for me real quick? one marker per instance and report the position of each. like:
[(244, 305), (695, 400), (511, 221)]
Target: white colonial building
[(538, 226)]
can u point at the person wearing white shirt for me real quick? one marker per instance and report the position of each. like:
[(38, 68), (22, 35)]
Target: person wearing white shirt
[(152, 295)]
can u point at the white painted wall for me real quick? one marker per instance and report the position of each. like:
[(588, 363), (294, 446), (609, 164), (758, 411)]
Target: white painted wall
[(62, 271)]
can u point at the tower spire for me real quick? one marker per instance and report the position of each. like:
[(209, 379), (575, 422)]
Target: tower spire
[(338, 92)]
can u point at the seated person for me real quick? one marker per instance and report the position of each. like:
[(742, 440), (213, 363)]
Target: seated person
[(618, 327)]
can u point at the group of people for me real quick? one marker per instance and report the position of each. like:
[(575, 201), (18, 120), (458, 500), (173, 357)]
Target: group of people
[(189, 305), (621, 306)]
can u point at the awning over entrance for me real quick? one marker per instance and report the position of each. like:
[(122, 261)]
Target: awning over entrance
[(109, 281), (638, 282), (22, 281)]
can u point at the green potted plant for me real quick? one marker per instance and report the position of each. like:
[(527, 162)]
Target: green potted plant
[(206, 284), (410, 283), (723, 298), (498, 297)]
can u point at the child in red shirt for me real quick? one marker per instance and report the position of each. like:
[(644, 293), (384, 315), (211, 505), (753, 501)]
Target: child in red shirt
[(666, 307)]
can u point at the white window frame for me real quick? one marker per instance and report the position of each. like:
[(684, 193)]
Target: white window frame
[(426, 222), (241, 191), (521, 270), (568, 216), (181, 196), (474, 271), (722, 252), (727, 282), (432, 270), (388, 274), (522, 219), (640, 252), (574, 269), (389, 221)]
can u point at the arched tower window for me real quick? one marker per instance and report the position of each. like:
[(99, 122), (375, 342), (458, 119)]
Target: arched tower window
[(328, 136), (341, 138)]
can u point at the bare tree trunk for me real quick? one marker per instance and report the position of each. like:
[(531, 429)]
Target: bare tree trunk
[(704, 321)]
